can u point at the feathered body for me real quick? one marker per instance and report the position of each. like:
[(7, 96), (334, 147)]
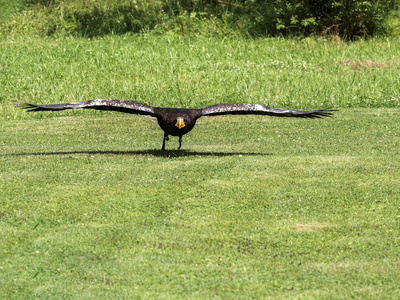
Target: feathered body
[(179, 121)]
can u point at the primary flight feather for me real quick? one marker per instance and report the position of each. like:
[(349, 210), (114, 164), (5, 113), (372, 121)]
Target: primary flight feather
[(179, 121)]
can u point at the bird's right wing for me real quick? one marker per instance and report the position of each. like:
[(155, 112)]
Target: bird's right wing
[(126, 106)]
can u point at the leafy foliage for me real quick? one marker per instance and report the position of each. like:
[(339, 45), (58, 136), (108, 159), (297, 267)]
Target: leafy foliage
[(346, 18), (207, 17)]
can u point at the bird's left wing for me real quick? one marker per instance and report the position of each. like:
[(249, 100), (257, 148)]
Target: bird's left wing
[(131, 107), (257, 109)]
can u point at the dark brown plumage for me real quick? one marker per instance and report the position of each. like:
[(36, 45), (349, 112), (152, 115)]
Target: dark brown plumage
[(179, 121)]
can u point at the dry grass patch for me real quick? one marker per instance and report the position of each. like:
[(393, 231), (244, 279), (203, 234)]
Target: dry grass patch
[(313, 226), (360, 65)]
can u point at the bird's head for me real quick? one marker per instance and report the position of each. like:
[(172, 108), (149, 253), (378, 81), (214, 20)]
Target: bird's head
[(180, 123)]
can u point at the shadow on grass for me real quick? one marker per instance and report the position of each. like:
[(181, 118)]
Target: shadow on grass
[(159, 153)]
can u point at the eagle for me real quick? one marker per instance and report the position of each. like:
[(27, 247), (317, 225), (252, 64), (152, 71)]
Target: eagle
[(179, 121)]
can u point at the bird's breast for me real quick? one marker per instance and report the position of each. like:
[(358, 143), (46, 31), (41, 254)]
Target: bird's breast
[(176, 127)]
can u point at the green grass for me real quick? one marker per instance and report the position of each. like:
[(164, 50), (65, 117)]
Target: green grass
[(193, 72), (252, 207), (9, 8), (266, 208)]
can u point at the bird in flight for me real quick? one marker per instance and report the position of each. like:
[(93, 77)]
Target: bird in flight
[(179, 121)]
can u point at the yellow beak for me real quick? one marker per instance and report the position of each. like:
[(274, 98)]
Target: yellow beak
[(180, 123)]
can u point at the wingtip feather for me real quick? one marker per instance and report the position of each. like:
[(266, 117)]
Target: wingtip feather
[(29, 106), (324, 112)]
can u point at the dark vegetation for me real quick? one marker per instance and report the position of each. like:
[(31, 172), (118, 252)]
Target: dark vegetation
[(348, 19)]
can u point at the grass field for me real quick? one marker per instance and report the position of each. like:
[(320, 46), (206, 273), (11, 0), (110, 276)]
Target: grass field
[(252, 207), (193, 72), (281, 208)]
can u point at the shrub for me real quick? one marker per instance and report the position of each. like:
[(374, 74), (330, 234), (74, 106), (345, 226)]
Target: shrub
[(346, 18)]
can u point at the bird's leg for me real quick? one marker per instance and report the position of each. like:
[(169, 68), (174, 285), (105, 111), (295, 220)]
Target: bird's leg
[(180, 142), (165, 139)]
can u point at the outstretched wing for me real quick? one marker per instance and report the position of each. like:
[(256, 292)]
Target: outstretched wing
[(257, 109), (130, 107)]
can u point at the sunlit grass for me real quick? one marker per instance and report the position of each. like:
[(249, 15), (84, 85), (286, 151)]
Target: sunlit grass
[(194, 72), (252, 207)]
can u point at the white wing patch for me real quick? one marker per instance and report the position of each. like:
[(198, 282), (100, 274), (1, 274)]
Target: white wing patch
[(259, 107)]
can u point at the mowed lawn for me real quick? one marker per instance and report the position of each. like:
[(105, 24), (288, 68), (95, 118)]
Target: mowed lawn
[(252, 207)]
